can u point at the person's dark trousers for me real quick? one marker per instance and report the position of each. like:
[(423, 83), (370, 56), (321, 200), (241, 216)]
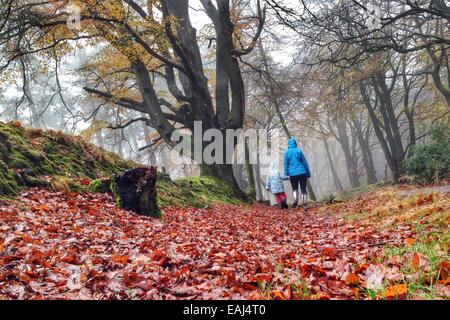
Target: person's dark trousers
[(296, 181)]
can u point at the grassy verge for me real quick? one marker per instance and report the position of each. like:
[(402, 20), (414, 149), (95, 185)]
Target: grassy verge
[(423, 257)]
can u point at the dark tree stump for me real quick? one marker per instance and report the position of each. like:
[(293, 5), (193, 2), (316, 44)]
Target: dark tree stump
[(136, 190)]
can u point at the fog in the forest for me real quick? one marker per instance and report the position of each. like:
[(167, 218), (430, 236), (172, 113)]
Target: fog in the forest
[(355, 118)]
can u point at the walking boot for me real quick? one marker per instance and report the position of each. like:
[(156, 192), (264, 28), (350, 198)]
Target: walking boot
[(295, 199), (284, 204), (305, 201)]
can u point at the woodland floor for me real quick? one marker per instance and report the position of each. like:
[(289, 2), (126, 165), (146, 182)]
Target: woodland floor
[(381, 246)]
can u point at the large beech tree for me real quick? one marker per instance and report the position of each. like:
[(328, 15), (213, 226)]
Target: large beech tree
[(149, 57)]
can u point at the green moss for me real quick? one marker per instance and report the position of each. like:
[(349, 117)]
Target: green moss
[(33, 155), (8, 183), (200, 192), (12, 133), (35, 182), (18, 161), (99, 186), (115, 192), (51, 153), (76, 187)]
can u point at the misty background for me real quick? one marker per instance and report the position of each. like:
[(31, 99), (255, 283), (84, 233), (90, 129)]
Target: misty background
[(291, 86)]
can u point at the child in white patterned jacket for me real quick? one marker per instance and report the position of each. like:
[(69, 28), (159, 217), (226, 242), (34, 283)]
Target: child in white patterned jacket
[(274, 184)]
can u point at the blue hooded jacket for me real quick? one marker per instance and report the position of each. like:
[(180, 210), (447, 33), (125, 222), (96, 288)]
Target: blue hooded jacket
[(295, 163)]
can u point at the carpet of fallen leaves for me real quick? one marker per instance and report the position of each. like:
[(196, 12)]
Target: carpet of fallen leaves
[(57, 246)]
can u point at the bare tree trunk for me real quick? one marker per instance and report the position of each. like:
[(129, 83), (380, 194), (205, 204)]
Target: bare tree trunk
[(336, 180), (251, 190), (257, 174), (351, 162), (151, 153), (390, 147), (390, 123), (163, 161), (409, 112), (367, 157)]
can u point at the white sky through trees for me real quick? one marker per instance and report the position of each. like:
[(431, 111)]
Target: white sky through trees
[(69, 64)]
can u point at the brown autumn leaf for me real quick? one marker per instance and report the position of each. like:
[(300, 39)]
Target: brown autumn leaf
[(41, 207), (397, 291), (255, 295), (328, 252), (444, 272), (415, 261), (120, 258), (262, 277), (72, 259), (277, 295), (352, 279), (418, 261), (158, 255)]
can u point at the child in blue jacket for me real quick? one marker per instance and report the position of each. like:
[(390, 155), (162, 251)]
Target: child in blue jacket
[(275, 185)]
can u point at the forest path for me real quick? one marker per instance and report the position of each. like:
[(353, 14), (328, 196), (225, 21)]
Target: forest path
[(81, 246), (425, 190)]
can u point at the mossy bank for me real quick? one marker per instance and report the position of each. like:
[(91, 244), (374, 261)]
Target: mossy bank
[(37, 158), (199, 192), (62, 162)]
